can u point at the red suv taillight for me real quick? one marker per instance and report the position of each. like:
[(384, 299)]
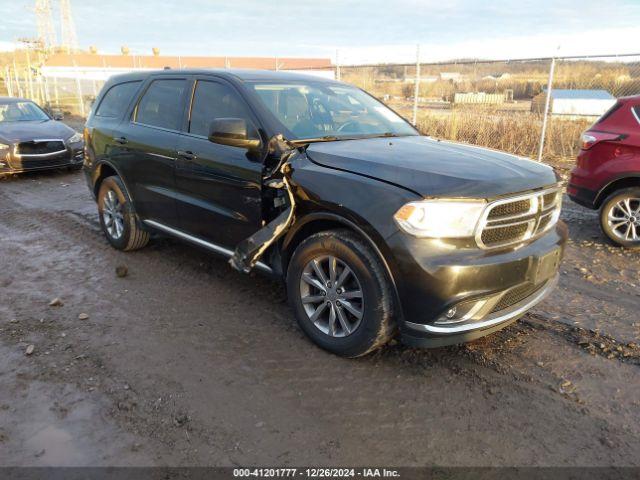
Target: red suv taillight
[(587, 141), (590, 138)]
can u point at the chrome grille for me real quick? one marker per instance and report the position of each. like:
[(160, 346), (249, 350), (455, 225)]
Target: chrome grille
[(515, 220), (40, 148), (503, 234), (510, 209)]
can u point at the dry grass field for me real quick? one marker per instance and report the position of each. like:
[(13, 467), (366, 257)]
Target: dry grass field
[(517, 133)]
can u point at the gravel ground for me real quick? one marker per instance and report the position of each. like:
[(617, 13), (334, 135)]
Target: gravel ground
[(186, 362)]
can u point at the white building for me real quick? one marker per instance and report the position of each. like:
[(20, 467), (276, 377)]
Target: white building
[(589, 103)]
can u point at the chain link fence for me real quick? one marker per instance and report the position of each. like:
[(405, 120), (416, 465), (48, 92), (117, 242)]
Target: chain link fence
[(505, 105), (71, 96)]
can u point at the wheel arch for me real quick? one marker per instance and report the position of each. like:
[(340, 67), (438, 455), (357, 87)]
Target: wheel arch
[(615, 185), (316, 222), (106, 169)]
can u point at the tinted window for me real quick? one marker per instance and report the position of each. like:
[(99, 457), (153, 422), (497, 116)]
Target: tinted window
[(117, 99), (215, 100), (636, 111), (161, 104)]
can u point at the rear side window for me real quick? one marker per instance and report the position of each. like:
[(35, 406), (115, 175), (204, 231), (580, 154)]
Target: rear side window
[(117, 99), (161, 105), (636, 112), (213, 100)]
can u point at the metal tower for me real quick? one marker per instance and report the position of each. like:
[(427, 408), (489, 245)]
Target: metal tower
[(44, 20), (68, 27)]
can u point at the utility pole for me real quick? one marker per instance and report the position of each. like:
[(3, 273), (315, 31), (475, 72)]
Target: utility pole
[(416, 90), (7, 81), (55, 91), (35, 45), (29, 77), (15, 74), (79, 92), (337, 64), (547, 102)]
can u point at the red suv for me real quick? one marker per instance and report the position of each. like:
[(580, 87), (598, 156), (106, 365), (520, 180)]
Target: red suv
[(607, 174)]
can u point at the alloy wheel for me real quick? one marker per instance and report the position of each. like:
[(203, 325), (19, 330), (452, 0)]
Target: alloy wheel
[(623, 219), (112, 215), (332, 296)]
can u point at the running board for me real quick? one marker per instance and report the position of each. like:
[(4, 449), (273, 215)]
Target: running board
[(203, 243)]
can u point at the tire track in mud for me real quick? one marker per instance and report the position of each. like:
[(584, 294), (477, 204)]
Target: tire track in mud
[(239, 383)]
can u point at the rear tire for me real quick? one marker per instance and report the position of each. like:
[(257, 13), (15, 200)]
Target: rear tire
[(117, 219), (348, 312), (620, 217)]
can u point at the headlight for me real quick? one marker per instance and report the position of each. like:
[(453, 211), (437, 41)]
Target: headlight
[(440, 218), (3, 147), (75, 138)]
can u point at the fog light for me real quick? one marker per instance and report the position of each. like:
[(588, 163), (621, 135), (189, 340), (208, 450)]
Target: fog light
[(463, 311)]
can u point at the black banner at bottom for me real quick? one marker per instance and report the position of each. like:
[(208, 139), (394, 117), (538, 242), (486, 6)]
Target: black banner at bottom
[(406, 473)]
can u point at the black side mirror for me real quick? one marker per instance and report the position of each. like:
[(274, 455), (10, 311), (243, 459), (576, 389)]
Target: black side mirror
[(233, 132)]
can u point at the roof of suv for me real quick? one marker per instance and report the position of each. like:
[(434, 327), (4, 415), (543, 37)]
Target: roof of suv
[(239, 74)]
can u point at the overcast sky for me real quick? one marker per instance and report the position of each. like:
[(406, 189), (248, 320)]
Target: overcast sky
[(365, 31)]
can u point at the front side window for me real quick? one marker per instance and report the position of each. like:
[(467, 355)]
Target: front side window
[(117, 99), (315, 110), (213, 100), (161, 105), (22, 112)]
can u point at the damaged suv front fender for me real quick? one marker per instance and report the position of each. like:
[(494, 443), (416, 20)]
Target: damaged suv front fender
[(330, 197)]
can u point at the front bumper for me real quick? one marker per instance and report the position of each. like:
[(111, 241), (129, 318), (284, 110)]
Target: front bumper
[(465, 332), (493, 287), (72, 156)]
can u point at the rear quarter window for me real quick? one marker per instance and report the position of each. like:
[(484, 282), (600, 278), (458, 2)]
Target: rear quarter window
[(116, 100), (162, 105)]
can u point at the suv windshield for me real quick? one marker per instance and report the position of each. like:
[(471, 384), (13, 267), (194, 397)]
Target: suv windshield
[(22, 112), (317, 111)]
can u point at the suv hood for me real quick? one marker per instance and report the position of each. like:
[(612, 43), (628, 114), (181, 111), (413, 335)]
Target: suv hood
[(434, 168), (13, 132)]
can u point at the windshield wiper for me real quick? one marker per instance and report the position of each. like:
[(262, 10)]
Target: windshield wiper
[(326, 138), (334, 138)]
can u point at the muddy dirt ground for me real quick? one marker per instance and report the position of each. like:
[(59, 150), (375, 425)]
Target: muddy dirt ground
[(186, 362)]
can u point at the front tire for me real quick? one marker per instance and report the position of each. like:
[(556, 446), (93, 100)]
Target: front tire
[(117, 219), (620, 217), (340, 293)]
